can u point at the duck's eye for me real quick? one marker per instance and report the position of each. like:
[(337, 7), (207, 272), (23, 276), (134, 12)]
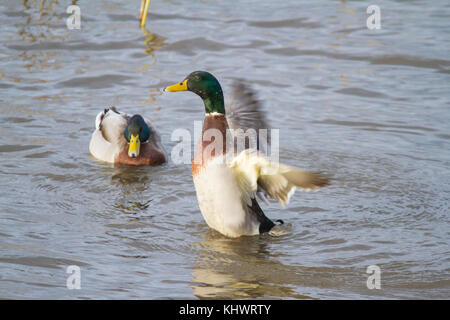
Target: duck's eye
[(197, 78)]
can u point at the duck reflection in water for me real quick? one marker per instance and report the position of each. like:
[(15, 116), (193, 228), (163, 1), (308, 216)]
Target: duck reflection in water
[(242, 268)]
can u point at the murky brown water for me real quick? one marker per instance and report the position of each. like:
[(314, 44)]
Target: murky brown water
[(370, 107)]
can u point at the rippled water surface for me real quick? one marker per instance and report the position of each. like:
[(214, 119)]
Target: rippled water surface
[(369, 107)]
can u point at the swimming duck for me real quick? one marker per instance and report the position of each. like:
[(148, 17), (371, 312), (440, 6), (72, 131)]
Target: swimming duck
[(123, 139), (227, 183)]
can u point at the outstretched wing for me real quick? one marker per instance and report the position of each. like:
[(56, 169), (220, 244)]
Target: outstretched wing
[(279, 181), (247, 122), (244, 111), (281, 184)]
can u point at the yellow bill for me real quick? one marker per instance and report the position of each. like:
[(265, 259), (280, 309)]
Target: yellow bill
[(134, 147), (182, 86)]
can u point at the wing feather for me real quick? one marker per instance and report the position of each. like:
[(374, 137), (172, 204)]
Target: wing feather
[(244, 111), (279, 181)]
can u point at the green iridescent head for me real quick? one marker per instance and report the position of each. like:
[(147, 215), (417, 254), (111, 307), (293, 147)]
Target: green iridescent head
[(205, 85), (135, 133)]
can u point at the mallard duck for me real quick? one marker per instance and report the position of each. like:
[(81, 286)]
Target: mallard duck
[(227, 183), (123, 139)]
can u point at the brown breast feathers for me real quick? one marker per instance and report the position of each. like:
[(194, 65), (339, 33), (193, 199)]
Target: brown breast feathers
[(212, 142)]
